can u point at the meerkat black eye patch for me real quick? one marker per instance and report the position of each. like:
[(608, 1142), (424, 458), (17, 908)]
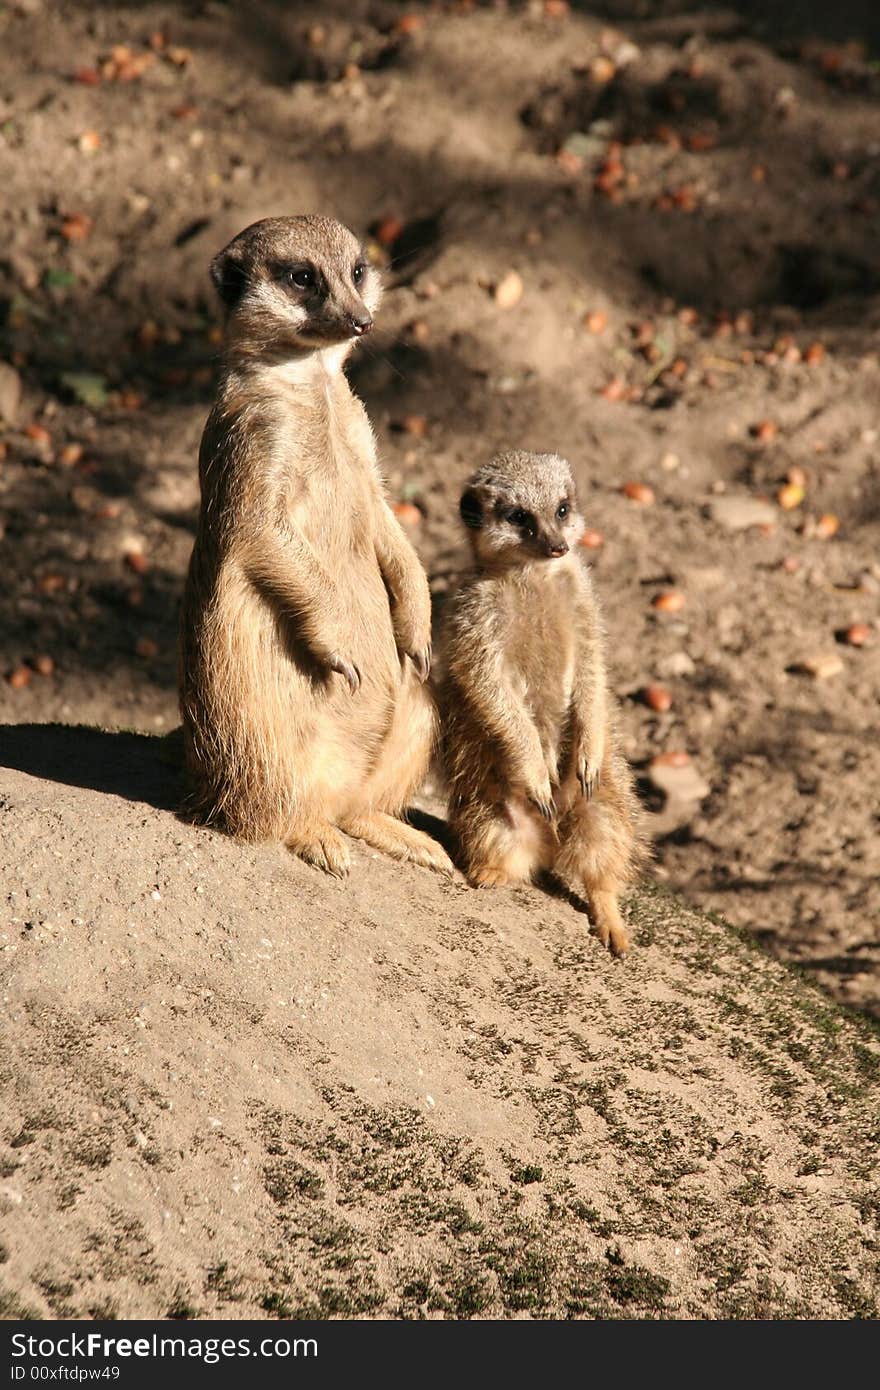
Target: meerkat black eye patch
[(523, 520), (471, 509), (229, 277), (296, 275)]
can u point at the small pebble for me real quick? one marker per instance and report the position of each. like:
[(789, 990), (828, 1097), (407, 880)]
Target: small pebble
[(739, 513), (822, 666), (509, 290)]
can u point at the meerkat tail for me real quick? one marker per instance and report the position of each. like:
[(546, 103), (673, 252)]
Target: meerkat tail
[(397, 839)]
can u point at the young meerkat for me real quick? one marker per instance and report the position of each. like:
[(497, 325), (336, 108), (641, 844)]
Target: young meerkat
[(306, 622), (536, 777)]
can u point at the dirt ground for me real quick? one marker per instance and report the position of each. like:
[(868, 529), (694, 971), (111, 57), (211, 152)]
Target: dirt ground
[(232, 1088), (643, 235)]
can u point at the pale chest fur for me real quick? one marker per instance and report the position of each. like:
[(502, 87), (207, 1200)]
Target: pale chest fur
[(330, 482), (541, 646)]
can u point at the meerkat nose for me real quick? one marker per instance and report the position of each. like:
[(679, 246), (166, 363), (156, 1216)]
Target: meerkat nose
[(360, 324), (557, 549)]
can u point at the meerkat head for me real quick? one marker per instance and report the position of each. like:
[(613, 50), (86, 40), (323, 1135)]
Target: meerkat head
[(521, 509), (294, 285)]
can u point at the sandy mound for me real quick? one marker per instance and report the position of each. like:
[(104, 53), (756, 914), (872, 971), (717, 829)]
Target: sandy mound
[(689, 204), (232, 1087)]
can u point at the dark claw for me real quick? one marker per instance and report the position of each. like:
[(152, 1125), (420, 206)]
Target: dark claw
[(345, 668), (546, 808), (590, 785), (422, 662)]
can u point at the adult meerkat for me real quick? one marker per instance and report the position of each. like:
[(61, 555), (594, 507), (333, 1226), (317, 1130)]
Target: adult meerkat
[(536, 777), (306, 623)]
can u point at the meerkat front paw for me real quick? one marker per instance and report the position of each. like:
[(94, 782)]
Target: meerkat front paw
[(324, 849), (421, 660), (589, 770), (539, 791), (345, 668)]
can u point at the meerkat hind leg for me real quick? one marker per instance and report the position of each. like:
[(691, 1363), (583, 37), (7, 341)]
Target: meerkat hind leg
[(507, 851), (322, 846), (607, 921), (398, 839), (594, 854), (401, 768)]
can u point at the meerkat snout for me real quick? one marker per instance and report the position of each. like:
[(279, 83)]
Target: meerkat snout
[(295, 283), (361, 325), (516, 512)]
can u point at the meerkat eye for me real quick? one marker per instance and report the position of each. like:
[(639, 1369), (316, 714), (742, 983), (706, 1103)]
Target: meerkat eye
[(523, 521), (562, 511), (301, 277), (359, 272)]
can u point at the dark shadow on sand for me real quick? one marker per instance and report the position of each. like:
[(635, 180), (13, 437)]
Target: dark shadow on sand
[(137, 767), (437, 829)]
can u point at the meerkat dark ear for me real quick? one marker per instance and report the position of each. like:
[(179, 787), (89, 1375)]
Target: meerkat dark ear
[(229, 276), (471, 509)]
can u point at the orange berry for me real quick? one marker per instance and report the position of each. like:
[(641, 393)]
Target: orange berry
[(614, 390), (416, 425), (388, 230), (638, 492), (19, 678), (657, 698), (827, 526), (790, 496), (71, 455), (674, 758), (670, 601), (407, 512), (410, 23), (592, 540), (76, 227)]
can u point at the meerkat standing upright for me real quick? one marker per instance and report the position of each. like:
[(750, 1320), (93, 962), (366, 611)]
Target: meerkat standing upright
[(536, 777), (306, 623)]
